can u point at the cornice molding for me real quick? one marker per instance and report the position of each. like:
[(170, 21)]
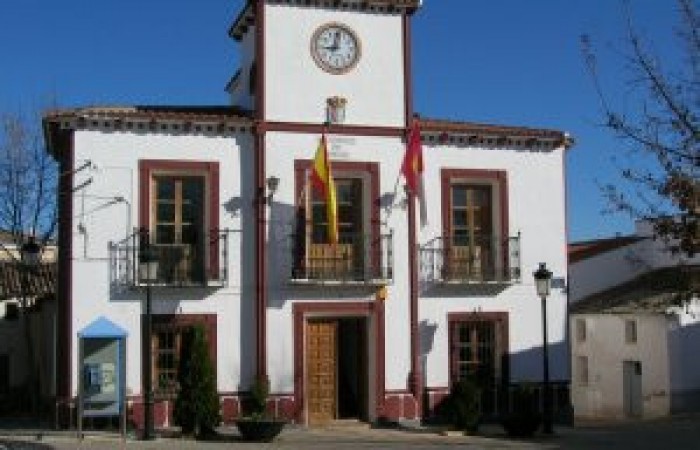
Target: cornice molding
[(246, 18)]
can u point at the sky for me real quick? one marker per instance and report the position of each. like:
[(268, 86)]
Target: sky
[(511, 62)]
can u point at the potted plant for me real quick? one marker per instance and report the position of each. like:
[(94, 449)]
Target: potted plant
[(257, 425), (464, 406), (522, 417)]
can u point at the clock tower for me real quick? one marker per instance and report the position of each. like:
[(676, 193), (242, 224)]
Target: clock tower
[(303, 53)]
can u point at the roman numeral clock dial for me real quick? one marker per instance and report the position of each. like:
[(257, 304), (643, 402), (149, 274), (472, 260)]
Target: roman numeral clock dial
[(335, 48)]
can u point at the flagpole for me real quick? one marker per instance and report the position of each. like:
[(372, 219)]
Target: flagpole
[(414, 377)]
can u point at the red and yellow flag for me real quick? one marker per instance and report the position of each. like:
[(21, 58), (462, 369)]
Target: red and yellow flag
[(412, 169), (322, 177)]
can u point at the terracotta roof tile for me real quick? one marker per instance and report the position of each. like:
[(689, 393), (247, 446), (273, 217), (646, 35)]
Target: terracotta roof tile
[(579, 251), (246, 17), (449, 126), (39, 282), (653, 292), (156, 112)]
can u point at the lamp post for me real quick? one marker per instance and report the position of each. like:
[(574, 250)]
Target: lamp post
[(148, 271), (543, 283), (30, 255)]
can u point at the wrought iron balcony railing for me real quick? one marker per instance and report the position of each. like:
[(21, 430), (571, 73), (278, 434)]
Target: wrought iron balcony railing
[(459, 259), (201, 262), (355, 259)]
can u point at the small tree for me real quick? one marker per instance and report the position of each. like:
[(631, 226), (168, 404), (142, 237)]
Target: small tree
[(197, 404), (465, 409)]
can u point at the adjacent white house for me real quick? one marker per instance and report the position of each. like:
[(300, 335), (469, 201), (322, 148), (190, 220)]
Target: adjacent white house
[(27, 298), (374, 327), (633, 338)]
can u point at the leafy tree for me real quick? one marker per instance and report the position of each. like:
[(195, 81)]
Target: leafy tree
[(661, 124), (197, 403)]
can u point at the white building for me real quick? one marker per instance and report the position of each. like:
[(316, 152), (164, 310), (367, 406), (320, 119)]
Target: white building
[(359, 330), (633, 352)]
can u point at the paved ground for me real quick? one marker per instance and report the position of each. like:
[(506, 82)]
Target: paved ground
[(676, 433)]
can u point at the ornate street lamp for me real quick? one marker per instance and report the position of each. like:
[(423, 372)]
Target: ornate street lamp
[(148, 273), (543, 284), (30, 252), (30, 256)]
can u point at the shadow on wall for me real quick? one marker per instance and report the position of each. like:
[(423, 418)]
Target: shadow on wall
[(684, 367), (527, 365), (246, 264)]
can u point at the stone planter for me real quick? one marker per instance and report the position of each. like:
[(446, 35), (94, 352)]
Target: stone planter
[(259, 430), (521, 425)]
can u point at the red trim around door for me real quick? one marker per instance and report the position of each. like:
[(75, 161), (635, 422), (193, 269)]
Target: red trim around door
[(373, 309), (501, 317)]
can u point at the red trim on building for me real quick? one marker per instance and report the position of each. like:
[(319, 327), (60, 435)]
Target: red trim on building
[(66, 165), (501, 317), (407, 74), (331, 129), (373, 309), (163, 406), (260, 258), (146, 169), (499, 177), (414, 377), (302, 165), (435, 398), (260, 205)]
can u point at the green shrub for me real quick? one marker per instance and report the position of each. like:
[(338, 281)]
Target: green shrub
[(257, 405), (465, 411), (523, 417), (197, 403)]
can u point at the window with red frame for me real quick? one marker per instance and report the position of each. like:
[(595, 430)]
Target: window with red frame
[(478, 350)]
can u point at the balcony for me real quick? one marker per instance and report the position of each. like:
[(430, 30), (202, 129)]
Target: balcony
[(359, 259), (200, 263), (482, 260)]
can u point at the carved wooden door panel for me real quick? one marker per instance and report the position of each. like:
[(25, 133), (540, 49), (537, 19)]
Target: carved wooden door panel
[(321, 370)]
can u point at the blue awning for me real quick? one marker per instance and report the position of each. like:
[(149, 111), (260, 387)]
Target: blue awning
[(102, 328)]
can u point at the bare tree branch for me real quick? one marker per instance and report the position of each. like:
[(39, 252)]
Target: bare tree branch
[(664, 126)]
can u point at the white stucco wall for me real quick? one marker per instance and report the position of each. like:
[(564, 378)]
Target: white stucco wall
[(296, 89), (536, 211), (282, 150), (97, 221), (241, 95), (605, 270), (683, 338), (606, 350)]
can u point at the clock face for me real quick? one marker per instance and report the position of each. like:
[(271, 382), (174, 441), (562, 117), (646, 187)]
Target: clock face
[(335, 48)]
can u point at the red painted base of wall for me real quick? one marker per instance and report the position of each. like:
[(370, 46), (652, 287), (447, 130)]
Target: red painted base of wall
[(280, 406), (434, 398), (397, 406)]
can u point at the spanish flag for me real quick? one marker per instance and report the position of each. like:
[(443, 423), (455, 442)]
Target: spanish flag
[(322, 177), (412, 169)]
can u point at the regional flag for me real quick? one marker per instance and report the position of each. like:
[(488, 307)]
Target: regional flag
[(322, 177), (412, 169)]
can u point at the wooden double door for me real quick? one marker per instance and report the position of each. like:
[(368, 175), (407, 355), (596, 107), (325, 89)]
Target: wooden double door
[(336, 369)]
